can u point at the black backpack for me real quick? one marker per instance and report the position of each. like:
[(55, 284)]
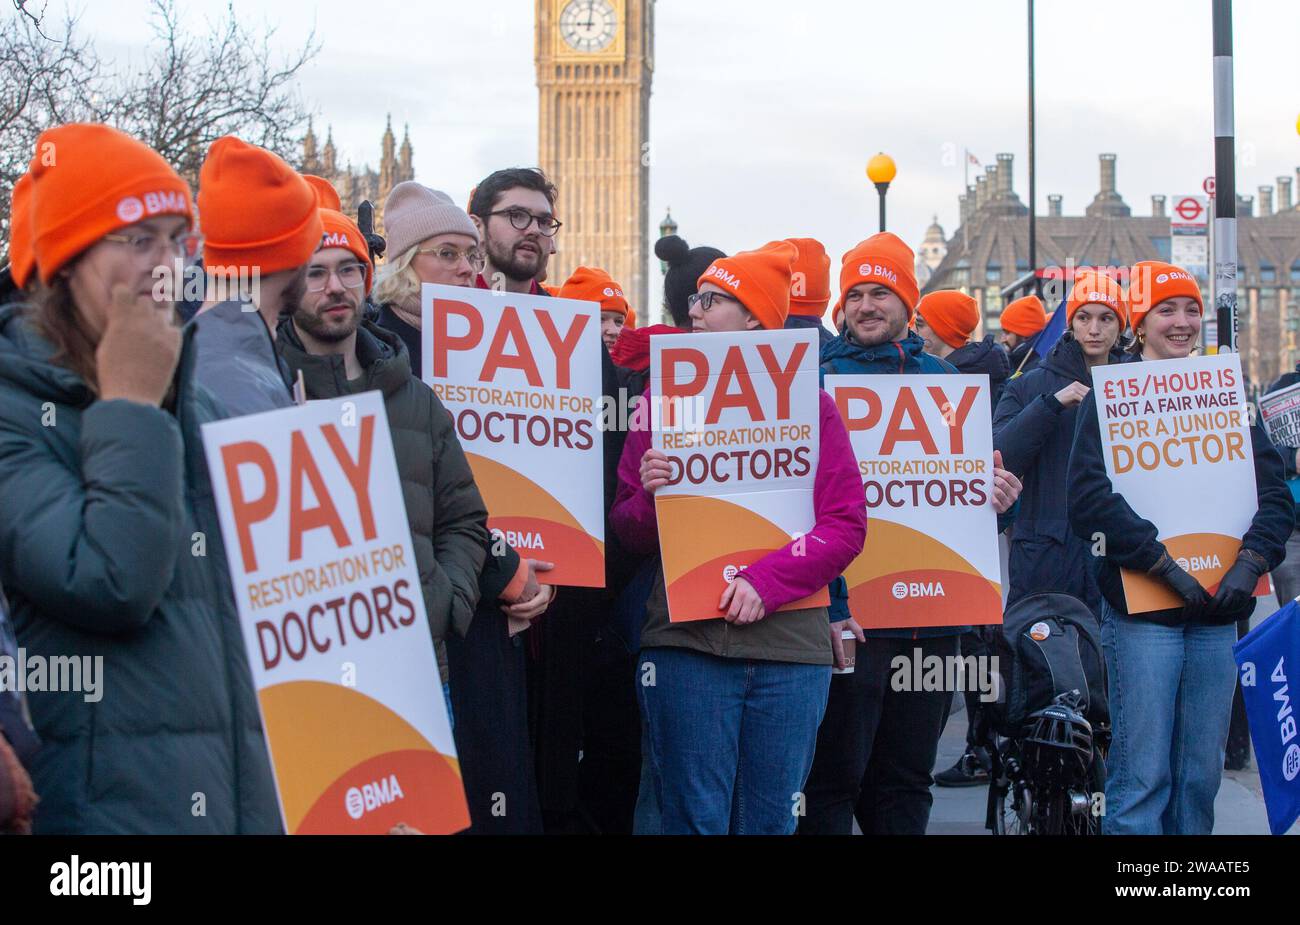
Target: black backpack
[(1048, 644)]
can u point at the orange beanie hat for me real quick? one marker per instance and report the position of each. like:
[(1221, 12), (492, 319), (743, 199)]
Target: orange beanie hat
[(20, 231), (810, 280), (1093, 288), (952, 315), (255, 210), (885, 260), (1025, 316), (591, 284), (326, 194), (95, 181), (1151, 282), (341, 231), (760, 279)]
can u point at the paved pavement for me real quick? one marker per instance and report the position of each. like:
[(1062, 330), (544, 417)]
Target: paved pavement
[(1238, 809)]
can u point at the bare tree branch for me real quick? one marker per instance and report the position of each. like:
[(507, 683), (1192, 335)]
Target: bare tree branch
[(191, 88), (21, 7)]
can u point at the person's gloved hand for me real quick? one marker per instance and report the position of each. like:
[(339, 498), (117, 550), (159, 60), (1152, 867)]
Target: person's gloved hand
[(1238, 583), (1195, 598)]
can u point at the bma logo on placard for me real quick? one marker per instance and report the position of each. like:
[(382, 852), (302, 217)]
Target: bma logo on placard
[(368, 797), (1193, 564), (905, 589)]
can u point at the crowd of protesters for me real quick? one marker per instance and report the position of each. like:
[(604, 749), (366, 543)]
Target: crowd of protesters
[(105, 382)]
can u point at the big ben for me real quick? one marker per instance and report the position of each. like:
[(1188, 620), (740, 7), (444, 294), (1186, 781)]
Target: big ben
[(594, 64)]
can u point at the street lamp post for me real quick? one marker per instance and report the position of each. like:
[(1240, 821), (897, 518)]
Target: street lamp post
[(666, 227), (881, 171)]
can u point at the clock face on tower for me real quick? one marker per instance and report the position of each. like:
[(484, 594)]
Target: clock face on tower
[(588, 25)]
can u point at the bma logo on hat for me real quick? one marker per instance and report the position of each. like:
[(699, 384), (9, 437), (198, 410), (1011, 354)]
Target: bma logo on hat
[(1162, 278), (875, 269), (726, 277), (130, 209), (335, 239)]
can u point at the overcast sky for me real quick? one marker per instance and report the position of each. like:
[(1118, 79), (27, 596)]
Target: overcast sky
[(763, 114)]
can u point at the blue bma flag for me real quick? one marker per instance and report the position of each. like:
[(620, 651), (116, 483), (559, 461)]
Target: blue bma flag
[(1050, 334), (1268, 659), (1046, 339)]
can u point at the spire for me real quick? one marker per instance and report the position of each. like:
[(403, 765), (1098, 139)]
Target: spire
[(387, 162), (328, 165), (407, 171), (309, 164)]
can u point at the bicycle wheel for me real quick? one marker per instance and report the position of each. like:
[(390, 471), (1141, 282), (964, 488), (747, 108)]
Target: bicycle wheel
[(1013, 810)]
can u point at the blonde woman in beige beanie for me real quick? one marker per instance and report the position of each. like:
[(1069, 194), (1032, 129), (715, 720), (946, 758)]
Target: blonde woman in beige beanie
[(430, 240)]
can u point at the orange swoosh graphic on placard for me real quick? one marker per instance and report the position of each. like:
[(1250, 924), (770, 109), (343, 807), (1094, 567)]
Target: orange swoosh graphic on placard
[(517, 504), (320, 732), (1143, 594), (414, 787), (896, 554), (695, 526)]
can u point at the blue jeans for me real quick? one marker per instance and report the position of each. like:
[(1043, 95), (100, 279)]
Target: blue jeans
[(731, 740), (645, 818), (1170, 693)]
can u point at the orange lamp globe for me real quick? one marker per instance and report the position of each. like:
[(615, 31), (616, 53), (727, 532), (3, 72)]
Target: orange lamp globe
[(881, 169)]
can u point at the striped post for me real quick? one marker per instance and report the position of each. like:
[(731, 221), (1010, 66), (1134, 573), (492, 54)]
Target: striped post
[(1225, 189)]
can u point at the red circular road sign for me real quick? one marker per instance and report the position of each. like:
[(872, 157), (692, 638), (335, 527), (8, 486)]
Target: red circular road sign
[(1208, 186), (1189, 209)]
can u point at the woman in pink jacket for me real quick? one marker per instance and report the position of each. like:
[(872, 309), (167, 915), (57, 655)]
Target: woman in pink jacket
[(732, 705)]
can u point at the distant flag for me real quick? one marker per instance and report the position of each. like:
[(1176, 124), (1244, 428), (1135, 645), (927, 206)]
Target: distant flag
[(971, 158)]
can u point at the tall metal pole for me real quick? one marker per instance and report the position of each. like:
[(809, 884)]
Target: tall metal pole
[(882, 188), (1225, 182), (1033, 201)]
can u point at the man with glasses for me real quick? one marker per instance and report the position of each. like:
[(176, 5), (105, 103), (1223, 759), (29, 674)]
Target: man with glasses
[(338, 353), (579, 673), (261, 224), (514, 212)]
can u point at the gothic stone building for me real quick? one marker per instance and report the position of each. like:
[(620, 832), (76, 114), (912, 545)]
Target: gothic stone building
[(990, 250), (355, 186)]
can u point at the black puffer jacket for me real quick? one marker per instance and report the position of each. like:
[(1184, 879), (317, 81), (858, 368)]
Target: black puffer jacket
[(446, 513), (102, 515), (984, 356), (1018, 357), (1034, 431)]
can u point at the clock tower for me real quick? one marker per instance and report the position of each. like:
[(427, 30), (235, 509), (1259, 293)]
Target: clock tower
[(594, 63)]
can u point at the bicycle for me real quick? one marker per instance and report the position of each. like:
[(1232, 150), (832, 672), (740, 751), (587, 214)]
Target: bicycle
[(1047, 781)]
